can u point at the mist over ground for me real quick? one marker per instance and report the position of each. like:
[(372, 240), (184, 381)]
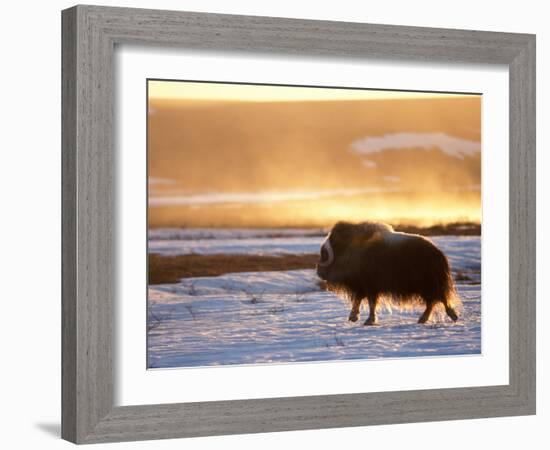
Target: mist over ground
[(310, 163)]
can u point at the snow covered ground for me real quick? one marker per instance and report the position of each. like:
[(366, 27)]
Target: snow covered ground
[(269, 317), (157, 234)]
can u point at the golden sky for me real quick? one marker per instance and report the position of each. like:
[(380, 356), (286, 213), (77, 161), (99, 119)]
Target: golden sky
[(233, 155)]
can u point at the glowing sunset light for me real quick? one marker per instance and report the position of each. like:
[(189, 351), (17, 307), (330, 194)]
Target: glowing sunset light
[(237, 155)]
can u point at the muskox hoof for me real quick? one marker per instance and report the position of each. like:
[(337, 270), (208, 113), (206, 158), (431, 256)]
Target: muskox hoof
[(353, 317), (371, 321), (424, 318), (452, 314)]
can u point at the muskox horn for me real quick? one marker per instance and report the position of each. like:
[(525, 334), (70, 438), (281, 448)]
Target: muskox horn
[(327, 257)]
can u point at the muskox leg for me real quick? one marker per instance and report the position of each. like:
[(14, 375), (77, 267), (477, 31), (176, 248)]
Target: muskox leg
[(354, 313), (372, 311), (451, 312), (426, 316)]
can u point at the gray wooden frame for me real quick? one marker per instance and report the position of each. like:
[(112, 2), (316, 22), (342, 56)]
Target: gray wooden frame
[(89, 37)]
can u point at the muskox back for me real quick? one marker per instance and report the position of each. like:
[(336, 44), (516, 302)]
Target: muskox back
[(371, 261), (405, 267)]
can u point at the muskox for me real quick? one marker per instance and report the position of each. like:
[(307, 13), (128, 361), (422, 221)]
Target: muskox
[(370, 261)]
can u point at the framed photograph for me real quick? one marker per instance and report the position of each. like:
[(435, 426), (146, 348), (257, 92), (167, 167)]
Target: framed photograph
[(267, 222)]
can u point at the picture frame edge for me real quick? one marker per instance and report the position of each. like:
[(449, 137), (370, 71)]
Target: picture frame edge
[(89, 35)]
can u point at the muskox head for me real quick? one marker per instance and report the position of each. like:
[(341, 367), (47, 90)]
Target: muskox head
[(343, 246)]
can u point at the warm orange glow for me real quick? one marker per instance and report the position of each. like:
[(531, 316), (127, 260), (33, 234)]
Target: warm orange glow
[(420, 210), (226, 155), (423, 215)]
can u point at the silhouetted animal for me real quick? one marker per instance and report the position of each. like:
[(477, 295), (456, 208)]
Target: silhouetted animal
[(371, 261)]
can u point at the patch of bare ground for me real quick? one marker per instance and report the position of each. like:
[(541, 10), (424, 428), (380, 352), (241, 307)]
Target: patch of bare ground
[(170, 269)]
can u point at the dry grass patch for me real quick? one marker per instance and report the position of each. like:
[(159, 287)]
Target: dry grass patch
[(170, 269)]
